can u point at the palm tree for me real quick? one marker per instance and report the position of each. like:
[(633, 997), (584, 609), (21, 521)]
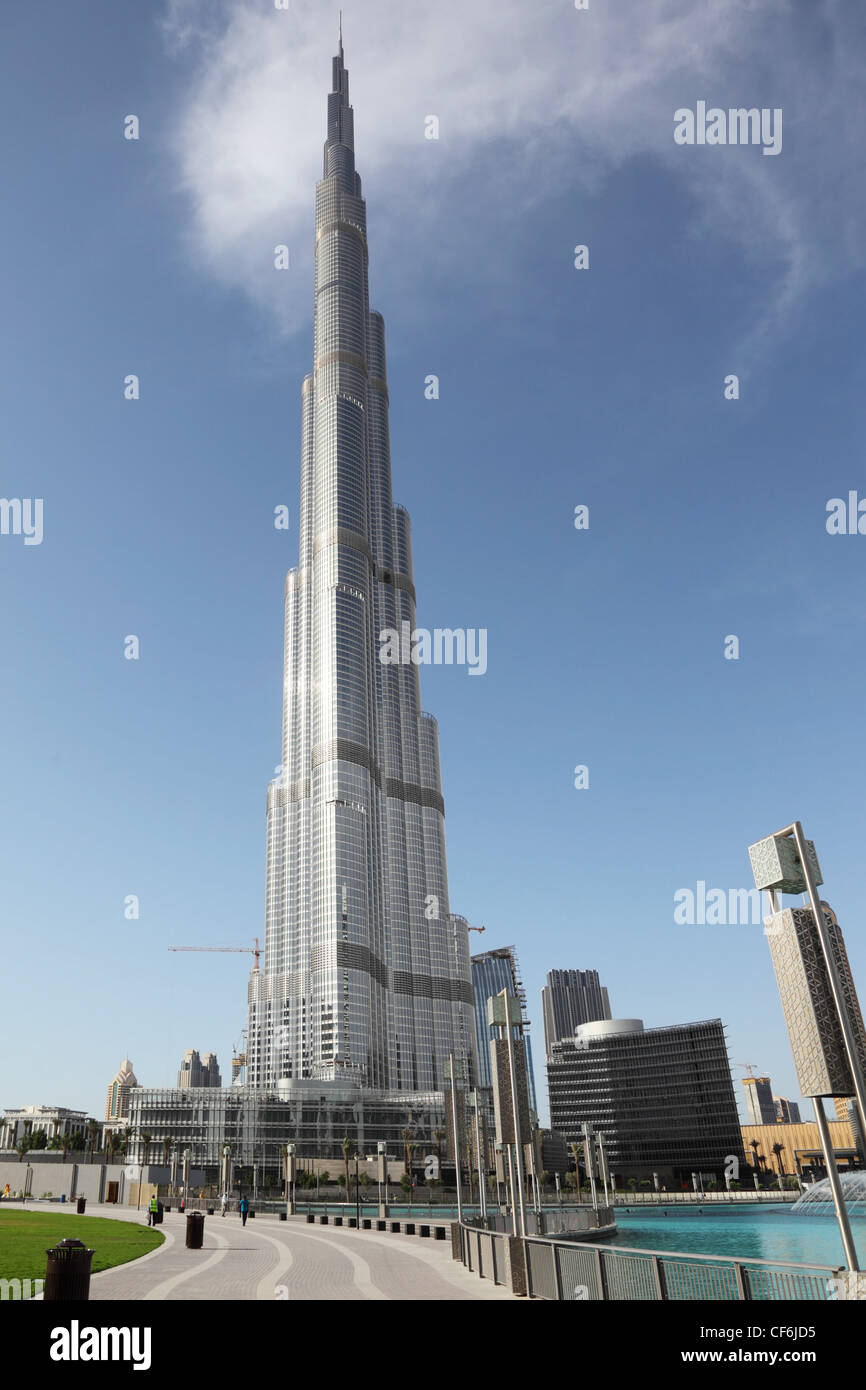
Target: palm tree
[(167, 1146), (348, 1148), (60, 1141), (469, 1163), (128, 1136), (92, 1132), (111, 1143), (778, 1150), (753, 1145), (408, 1146), (146, 1141), (575, 1153), (439, 1135)]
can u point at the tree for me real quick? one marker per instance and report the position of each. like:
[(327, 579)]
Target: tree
[(778, 1150), (111, 1143), (544, 1179), (167, 1145), (61, 1141), (39, 1139), (22, 1147), (146, 1141), (76, 1141), (348, 1147), (575, 1153), (469, 1157), (92, 1135), (438, 1136), (408, 1146), (364, 1179)]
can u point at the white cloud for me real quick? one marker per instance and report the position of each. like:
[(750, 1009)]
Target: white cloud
[(531, 98)]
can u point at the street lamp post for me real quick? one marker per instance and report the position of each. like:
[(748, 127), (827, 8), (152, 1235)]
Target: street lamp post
[(456, 1139), (518, 1156), (482, 1195), (290, 1179)]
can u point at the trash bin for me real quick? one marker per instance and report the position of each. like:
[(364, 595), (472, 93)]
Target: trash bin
[(366, 1223), (251, 1213), (67, 1273), (160, 1212), (283, 1216), (210, 1211), (167, 1206), (63, 1196), (311, 1218), (194, 1230), (338, 1220), (80, 1205)]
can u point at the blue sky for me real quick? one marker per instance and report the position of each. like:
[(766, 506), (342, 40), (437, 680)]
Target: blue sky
[(558, 387)]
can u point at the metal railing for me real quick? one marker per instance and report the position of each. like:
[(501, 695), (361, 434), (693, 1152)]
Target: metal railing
[(694, 1199), (560, 1271)]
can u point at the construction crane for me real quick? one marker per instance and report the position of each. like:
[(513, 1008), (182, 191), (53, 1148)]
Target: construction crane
[(747, 1066), (243, 950), (477, 929)]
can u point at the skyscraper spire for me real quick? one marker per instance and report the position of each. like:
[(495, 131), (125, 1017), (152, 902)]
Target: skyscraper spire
[(365, 980)]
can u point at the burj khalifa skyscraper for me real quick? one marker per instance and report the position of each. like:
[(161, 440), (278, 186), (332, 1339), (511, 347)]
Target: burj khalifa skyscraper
[(366, 978)]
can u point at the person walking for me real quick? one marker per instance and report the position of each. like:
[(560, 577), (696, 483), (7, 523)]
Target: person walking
[(152, 1210), (244, 1210), (223, 1204)]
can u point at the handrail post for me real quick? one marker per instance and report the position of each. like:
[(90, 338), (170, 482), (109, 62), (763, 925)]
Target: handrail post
[(557, 1276), (659, 1276), (742, 1291)]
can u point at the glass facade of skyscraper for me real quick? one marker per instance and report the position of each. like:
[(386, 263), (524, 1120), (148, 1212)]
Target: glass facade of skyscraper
[(365, 979)]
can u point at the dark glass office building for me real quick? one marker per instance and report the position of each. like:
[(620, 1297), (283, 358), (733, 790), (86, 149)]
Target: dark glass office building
[(662, 1097)]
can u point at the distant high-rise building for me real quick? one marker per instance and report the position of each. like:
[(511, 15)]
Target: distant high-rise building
[(198, 1071), (569, 998), (662, 1097), (492, 972), (760, 1102), (117, 1097), (787, 1111), (210, 1069)]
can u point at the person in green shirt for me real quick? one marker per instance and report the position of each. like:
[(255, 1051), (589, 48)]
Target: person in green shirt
[(152, 1210)]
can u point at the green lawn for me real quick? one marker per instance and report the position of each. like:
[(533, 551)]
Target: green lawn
[(26, 1235)]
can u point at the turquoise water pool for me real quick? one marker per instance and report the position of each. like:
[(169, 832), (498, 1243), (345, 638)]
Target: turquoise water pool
[(757, 1233)]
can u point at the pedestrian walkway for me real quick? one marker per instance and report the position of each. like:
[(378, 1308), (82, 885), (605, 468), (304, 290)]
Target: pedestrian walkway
[(288, 1260)]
